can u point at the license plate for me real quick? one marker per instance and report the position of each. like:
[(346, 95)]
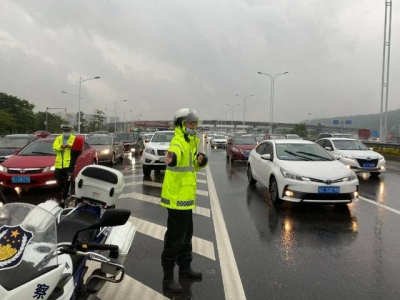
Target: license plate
[(368, 165), (245, 155), (328, 190), (20, 179)]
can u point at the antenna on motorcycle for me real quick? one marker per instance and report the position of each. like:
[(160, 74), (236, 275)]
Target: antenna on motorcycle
[(111, 217)]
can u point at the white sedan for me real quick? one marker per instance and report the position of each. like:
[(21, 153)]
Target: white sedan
[(301, 171), (355, 155), (219, 141)]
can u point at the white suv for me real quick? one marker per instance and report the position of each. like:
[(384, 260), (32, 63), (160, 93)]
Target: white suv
[(153, 154)]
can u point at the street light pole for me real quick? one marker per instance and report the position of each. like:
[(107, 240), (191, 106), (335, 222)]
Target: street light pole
[(271, 112), (81, 80), (232, 106), (244, 106), (47, 108), (115, 114)]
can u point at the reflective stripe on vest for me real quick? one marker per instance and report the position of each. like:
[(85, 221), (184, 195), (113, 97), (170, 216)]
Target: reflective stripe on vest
[(166, 201), (180, 169), (185, 203)]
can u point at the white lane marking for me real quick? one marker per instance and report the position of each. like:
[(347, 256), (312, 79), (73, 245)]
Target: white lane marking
[(156, 200), (129, 288), (379, 204), (201, 181), (233, 286), (201, 173), (158, 184), (200, 246)]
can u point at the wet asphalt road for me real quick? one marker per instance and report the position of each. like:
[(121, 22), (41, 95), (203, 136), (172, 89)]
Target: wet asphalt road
[(294, 251)]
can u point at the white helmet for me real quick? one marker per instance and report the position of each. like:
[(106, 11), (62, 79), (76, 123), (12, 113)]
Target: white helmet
[(186, 114)]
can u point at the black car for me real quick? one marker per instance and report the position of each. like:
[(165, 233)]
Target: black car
[(132, 141), (13, 142)]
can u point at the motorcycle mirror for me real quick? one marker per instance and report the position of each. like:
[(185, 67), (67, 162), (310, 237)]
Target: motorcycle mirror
[(111, 217)]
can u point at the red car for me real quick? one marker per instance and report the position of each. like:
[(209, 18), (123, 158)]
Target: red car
[(41, 133), (239, 147), (33, 165)]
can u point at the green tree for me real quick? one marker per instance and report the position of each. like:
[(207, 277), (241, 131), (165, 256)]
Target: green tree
[(21, 111), (7, 122), (300, 130), (54, 122)]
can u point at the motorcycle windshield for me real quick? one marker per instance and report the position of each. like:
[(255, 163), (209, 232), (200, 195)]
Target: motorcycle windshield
[(28, 243)]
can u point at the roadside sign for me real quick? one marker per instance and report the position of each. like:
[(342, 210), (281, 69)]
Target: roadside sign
[(348, 122), (335, 122), (374, 132)]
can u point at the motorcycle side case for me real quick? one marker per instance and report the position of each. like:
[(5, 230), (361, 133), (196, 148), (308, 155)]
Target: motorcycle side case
[(121, 236), (100, 184)]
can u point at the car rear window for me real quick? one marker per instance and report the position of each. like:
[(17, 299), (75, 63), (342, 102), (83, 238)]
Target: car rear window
[(10, 142), (244, 141)]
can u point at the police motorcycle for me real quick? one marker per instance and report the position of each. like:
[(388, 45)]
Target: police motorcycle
[(46, 250)]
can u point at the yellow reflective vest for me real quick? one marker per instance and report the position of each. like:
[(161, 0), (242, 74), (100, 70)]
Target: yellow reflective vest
[(179, 186), (63, 157)]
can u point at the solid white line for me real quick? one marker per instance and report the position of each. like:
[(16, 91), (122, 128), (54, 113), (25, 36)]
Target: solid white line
[(200, 246), (158, 184), (156, 200), (379, 204), (233, 286)]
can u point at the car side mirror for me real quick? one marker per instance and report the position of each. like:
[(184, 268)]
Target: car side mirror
[(328, 148), (266, 157), (336, 156), (372, 149)]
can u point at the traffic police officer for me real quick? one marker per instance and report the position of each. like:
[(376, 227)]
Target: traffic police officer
[(179, 197), (62, 146)]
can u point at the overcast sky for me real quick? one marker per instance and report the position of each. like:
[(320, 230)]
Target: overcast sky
[(162, 55)]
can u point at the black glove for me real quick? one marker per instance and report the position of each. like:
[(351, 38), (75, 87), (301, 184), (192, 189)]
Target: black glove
[(205, 159)]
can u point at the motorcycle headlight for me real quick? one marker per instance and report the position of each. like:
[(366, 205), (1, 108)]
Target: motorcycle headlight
[(347, 157), (105, 151), (150, 151), (290, 175), (3, 169), (48, 169)]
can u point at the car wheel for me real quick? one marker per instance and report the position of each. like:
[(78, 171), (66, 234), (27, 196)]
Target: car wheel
[(146, 171), (250, 177), (274, 191), (375, 174), (121, 159), (113, 159)]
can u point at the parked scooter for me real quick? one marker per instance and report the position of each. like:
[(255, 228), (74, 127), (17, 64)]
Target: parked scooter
[(45, 250)]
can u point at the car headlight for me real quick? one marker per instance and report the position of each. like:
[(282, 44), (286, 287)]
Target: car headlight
[(150, 151), (347, 157), (352, 177), (105, 151), (49, 169), (293, 176), (381, 157), (3, 169)]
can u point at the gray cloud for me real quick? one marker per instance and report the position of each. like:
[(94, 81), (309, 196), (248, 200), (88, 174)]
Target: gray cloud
[(163, 55)]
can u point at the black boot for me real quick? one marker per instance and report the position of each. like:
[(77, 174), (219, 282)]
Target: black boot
[(187, 272), (169, 282)]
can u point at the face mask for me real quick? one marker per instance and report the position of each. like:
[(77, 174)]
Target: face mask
[(190, 131), (66, 134)]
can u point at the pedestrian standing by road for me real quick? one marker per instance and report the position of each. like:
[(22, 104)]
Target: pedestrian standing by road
[(179, 197), (62, 146)]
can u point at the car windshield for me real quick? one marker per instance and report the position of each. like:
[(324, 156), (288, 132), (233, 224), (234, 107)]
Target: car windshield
[(37, 148), (244, 141), (259, 138), (293, 137), (9, 142), (161, 137), (219, 137), (306, 152), (99, 140), (349, 145), (127, 136)]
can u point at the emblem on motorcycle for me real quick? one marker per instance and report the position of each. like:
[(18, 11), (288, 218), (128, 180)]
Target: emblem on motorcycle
[(13, 241)]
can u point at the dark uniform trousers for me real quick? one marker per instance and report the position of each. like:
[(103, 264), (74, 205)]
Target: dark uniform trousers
[(178, 239), (61, 176)]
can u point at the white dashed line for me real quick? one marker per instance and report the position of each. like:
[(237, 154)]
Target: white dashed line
[(379, 204), (200, 246), (158, 184), (156, 200)]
